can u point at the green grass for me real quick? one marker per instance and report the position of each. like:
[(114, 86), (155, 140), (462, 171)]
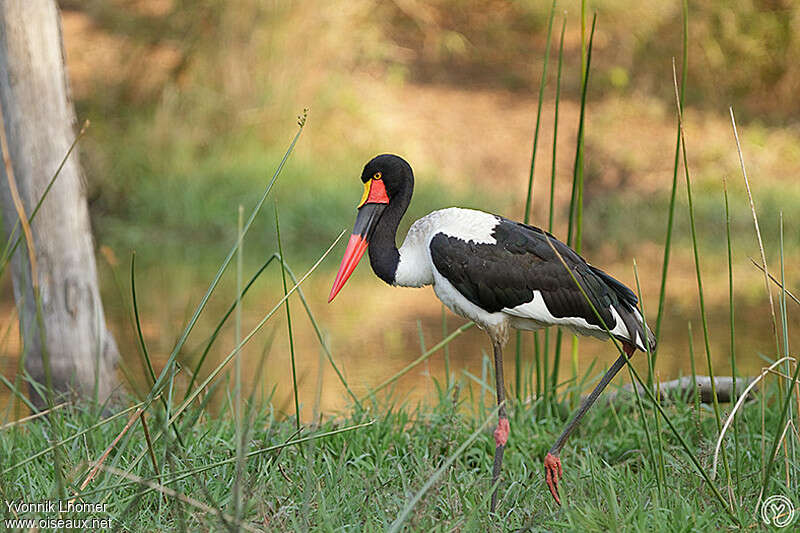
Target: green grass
[(362, 479), (638, 463)]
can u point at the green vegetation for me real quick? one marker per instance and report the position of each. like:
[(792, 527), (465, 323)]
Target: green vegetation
[(168, 164), (364, 477)]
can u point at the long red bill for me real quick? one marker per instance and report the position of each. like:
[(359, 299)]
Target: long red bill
[(356, 247)]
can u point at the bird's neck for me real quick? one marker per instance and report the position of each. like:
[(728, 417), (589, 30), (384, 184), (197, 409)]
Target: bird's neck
[(383, 254)]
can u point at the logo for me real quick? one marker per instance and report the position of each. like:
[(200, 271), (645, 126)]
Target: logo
[(778, 511)]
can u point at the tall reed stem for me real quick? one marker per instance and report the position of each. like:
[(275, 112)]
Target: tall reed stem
[(518, 372), (671, 213)]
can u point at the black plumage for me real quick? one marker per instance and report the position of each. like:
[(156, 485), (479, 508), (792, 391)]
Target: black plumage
[(505, 274)]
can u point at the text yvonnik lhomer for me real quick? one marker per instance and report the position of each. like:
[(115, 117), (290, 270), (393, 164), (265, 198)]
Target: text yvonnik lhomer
[(52, 507)]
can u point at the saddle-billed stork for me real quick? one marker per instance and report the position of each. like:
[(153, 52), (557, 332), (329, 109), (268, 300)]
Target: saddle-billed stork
[(496, 272)]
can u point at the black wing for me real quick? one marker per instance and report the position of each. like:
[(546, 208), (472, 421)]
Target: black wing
[(504, 275)]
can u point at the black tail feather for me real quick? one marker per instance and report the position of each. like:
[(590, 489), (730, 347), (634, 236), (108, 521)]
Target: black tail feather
[(621, 289), (628, 309), (633, 320)]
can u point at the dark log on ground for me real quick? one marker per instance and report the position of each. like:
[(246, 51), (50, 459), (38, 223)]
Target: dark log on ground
[(682, 389)]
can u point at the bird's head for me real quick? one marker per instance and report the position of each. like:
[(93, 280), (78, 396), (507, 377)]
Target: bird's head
[(388, 179), (386, 172)]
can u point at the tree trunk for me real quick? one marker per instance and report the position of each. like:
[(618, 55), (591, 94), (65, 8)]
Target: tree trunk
[(39, 122)]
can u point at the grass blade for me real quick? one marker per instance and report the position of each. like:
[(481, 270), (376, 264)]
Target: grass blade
[(758, 231), (576, 201), (237, 335), (785, 328), (673, 193), (701, 299), (8, 250), (138, 324), (776, 282), (737, 457), (34, 416), (17, 393), (659, 463), (288, 323), (548, 401), (215, 281), (784, 317), (529, 196), (529, 204), (140, 336), (444, 342)]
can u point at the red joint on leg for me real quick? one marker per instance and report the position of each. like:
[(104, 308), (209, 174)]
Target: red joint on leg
[(628, 348), (501, 432)]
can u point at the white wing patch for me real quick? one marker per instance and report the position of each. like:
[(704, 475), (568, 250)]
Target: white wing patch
[(537, 312)]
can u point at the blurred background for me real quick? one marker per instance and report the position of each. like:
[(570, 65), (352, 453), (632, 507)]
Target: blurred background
[(192, 104)]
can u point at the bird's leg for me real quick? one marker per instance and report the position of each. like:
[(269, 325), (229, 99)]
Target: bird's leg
[(552, 464), (502, 429)]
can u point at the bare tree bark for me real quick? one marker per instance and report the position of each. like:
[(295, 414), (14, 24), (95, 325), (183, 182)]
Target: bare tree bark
[(40, 126)]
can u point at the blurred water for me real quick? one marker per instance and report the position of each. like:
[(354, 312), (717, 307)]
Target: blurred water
[(374, 331)]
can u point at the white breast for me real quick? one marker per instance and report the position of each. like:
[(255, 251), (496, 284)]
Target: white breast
[(415, 268)]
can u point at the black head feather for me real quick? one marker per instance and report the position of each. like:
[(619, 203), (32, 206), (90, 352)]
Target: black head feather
[(395, 172)]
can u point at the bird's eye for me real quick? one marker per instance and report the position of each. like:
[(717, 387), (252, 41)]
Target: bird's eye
[(377, 176)]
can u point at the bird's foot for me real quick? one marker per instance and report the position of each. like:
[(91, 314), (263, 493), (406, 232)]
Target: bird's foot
[(553, 473), (501, 432)]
